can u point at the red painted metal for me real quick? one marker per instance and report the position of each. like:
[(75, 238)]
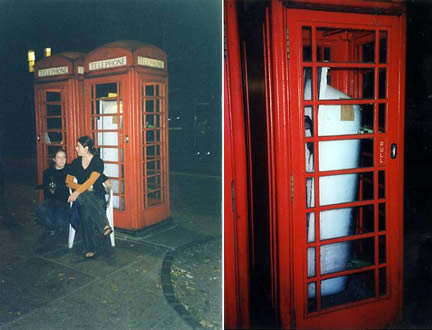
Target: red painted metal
[(58, 88), (236, 226), (133, 78), (287, 126)]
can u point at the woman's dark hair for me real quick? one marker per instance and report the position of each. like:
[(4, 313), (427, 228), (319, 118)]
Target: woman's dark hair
[(86, 141)]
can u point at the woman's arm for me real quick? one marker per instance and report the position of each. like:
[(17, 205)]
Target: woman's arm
[(70, 183), (90, 181), (83, 187)]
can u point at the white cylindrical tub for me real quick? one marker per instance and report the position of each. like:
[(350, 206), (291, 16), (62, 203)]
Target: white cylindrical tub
[(333, 155)]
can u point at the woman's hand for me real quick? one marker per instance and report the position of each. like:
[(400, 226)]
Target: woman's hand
[(73, 196)]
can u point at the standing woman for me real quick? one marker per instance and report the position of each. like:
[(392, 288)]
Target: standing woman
[(89, 192)]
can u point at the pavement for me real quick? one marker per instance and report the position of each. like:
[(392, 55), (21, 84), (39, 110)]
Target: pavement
[(166, 278)]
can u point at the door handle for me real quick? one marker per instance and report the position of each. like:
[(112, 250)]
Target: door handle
[(393, 150)]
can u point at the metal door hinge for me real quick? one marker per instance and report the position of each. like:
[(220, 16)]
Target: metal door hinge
[(292, 189)]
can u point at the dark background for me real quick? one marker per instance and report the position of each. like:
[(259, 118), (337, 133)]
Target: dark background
[(189, 31)]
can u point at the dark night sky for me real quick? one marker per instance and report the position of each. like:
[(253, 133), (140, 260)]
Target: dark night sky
[(189, 31)]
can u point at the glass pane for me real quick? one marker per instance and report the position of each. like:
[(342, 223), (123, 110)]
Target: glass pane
[(382, 249), (346, 221), (111, 170), (361, 44), (340, 83), (153, 167), (345, 188), (154, 198), (308, 121), (153, 182), (115, 186), (312, 303), (348, 255), (149, 90), (382, 84), (307, 81), (116, 202), (381, 184), (345, 119), (310, 197), (311, 260), (108, 107), (149, 106), (309, 157), (346, 289), (152, 121), (109, 154), (53, 96), (345, 154), (382, 217), (54, 137), (157, 90), (383, 281), (307, 45), (106, 90), (54, 110), (383, 47), (153, 151), (107, 139), (54, 123), (152, 136), (382, 117), (310, 227), (157, 108)]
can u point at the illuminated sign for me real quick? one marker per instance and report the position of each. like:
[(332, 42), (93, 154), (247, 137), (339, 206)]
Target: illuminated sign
[(53, 71), (106, 64), (145, 61)]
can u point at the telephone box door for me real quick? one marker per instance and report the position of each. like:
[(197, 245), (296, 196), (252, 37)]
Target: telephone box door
[(106, 124), (51, 123), (346, 119)]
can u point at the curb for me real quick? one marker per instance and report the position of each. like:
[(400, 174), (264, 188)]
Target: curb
[(167, 283)]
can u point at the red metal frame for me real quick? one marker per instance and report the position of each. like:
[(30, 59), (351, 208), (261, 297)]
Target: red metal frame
[(131, 79), (289, 149), (236, 226)]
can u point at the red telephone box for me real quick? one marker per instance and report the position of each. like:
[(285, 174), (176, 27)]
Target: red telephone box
[(335, 80), (126, 108), (58, 100)]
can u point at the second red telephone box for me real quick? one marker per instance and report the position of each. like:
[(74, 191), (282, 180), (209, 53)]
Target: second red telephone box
[(58, 100), (126, 108)]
